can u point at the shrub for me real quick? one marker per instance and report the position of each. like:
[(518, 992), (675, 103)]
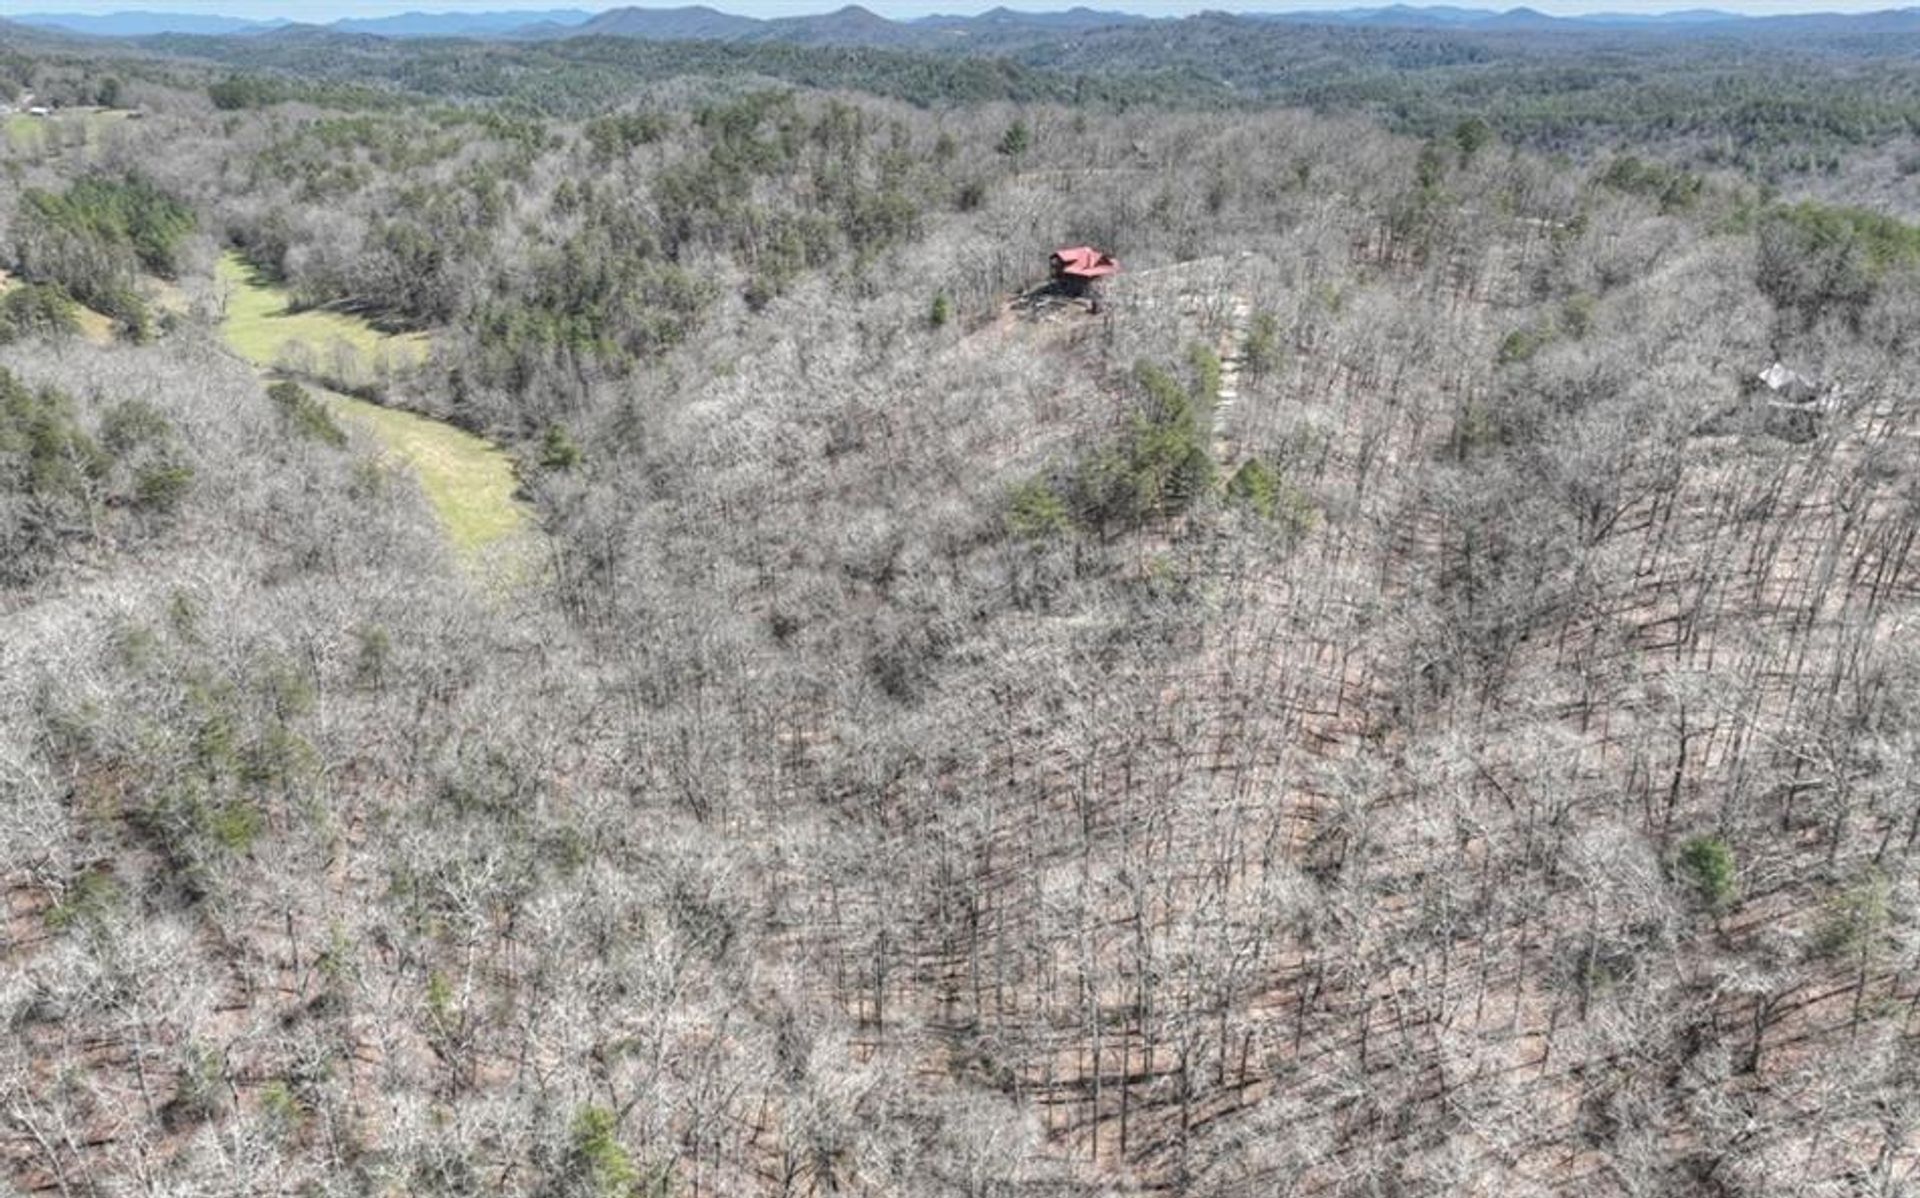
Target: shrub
[(1263, 354), (141, 442), (1035, 512), (198, 834), (443, 1018), (1265, 492), (558, 450), (1523, 343), (306, 416), (1856, 918), (130, 425), (128, 310), (760, 291), (38, 309), (1476, 428), (941, 312), (1471, 136), (1207, 376), (1429, 170), (1255, 486), (1017, 140), (1709, 864), (596, 1158), (162, 485), (90, 900), (280, 1105), (278, 758)]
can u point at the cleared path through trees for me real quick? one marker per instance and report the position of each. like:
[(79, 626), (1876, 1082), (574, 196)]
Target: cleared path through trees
[(1233, 358)]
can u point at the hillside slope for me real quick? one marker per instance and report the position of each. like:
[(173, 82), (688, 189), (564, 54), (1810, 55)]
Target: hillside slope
[(953, 751)]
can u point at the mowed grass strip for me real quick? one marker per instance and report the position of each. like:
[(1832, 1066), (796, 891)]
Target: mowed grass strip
[(468, 480), (261, 327)]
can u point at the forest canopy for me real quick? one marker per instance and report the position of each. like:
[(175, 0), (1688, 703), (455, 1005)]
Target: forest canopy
[(604, 616)]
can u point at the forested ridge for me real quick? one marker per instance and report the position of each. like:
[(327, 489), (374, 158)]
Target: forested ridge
[(1411, 693), (1775, 103)]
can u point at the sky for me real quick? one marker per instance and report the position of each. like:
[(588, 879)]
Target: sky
[(326, 10)]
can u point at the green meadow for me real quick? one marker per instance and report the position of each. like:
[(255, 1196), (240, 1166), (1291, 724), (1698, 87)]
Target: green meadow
[(34, 136), (340, 347), (468, 481)]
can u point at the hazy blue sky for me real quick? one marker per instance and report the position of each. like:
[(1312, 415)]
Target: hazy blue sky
[(318, 10)]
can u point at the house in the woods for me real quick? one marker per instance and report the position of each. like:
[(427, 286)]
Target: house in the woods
[(1794, 404), (1779, 401), (1078, 269), (1786, 386)]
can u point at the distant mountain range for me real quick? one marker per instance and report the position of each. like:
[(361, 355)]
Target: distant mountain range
[(856, 26), (139, 24), (410, 24), (461, 24), (1448, 16), (1682, 20)]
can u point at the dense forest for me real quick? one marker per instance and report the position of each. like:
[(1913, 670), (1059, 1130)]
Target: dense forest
[(578, 619)]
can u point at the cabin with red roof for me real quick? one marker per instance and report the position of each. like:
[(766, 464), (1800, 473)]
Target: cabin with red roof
[(1078, 269)]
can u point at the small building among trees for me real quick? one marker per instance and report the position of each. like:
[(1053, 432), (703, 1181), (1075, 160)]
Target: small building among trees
[(1794, 403), (1077, 270), (1779, 401), (1787, 387)]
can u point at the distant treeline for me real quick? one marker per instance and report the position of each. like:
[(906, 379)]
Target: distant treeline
[(1795, 108), (581, 76)]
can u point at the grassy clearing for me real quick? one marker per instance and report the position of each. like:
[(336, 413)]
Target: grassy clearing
[(24, 134), (34, 136), (468, 481), (94, 326), (337, 346)]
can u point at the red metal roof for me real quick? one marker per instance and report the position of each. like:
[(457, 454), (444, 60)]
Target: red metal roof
[(1085, 262)]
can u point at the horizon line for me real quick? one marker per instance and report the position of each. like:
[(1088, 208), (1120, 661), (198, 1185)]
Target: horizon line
[(263, 12)]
